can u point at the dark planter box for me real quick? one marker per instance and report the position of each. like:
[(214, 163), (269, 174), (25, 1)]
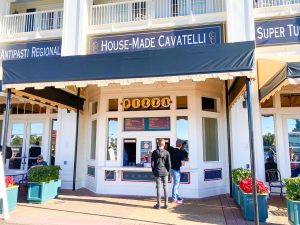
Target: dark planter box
[(246, 201), (41, 192), (12, 197), (293, 211)]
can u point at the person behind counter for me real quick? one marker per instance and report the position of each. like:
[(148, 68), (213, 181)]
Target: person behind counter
[(177, 160), (161, 165)]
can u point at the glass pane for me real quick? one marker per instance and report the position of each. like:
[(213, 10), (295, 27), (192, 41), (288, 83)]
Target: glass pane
[(113, 105), (36, 133), (268, 103), (14, 108), (43, 110), (93, 139), (268, 131), (53, 142), (16, 140), (294, 145), (209, 104), (112, 139), (181, 102), (21, 107), (295, 100), (35, 109), (35, 142), (94, 108), (14, 152), (182, 131), (210, 139), (28, 108), (285, 100)]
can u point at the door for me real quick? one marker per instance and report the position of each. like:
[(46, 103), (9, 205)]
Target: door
[(292, 132), (26, 138)]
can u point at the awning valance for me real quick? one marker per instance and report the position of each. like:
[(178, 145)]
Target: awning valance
[(224, 61), (274, 75)]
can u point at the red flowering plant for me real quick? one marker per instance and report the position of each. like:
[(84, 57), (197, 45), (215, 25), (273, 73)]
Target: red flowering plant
[(9, 181), (246, 186)]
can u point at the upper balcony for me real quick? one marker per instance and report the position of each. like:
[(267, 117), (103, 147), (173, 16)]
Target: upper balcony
[(276, 8), (31, 25), (141, 14)]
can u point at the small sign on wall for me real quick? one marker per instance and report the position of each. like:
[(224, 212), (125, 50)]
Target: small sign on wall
[(146, 103), (91, 171), (213, 174), (146, 151), (110, 175)]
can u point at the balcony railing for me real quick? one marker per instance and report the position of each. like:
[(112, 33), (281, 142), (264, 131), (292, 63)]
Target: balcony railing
[(131, 11), (31, 22), (271, 3)]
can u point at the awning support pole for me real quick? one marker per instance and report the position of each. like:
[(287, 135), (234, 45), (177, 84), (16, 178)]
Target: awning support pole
[(228, 136), (252, 154), (76, 139), (6, 122)]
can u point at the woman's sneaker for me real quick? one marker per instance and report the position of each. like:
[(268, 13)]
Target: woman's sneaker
[(179, 200)]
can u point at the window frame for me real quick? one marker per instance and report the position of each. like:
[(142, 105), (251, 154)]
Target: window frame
[(215, 115)]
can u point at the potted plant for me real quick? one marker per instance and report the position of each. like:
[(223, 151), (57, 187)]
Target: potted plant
[(238, 175), (293, 199), (247, 199), (43, 183), (12, 194)]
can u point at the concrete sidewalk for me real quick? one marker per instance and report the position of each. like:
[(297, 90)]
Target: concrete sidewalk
[(84, 207)]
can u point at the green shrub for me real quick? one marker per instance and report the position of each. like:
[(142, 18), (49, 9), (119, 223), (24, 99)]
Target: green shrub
[(293, 188), (240, 174), (43, 173)]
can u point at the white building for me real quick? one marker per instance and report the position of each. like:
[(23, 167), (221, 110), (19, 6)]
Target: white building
[(114, 137)]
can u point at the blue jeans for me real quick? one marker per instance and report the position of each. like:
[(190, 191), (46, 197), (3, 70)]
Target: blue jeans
[(176, 181)]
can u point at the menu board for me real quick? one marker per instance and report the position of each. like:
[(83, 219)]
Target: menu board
[(159, 123), (134, 124), (147, 124)]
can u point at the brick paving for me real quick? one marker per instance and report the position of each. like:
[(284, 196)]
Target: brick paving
[(85, 207)]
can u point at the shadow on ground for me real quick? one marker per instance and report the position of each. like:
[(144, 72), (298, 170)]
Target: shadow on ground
[(193, 211)]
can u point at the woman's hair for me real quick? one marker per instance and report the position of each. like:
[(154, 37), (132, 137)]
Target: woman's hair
[(40, 157)]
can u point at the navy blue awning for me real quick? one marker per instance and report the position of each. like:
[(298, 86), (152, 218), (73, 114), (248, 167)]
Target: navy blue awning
[(209, 59)]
